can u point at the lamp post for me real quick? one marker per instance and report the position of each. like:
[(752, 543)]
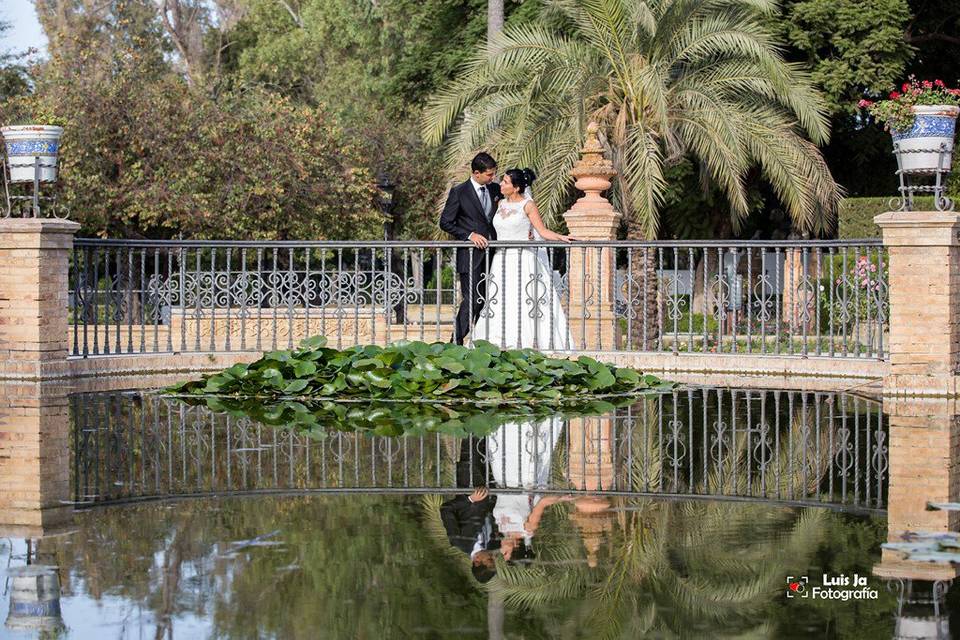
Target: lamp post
[(385, 187)]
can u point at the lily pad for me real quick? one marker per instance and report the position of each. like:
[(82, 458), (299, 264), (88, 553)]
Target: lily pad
[(410, 369)]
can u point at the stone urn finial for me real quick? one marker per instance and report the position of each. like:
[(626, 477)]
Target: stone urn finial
[(593, 171), (594, 518)]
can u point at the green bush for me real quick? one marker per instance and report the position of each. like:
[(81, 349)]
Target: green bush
[(855, 218)]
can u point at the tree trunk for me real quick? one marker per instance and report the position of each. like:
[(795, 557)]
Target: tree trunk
[(496, 614), (494, 18), (704, 298), (645, 327)]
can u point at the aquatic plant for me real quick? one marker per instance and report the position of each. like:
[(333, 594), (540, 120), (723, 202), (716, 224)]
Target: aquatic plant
[(397, 418), (409, 370)]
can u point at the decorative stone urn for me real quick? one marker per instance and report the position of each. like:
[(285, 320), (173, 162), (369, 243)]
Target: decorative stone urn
[(933, 126), (591, 270)]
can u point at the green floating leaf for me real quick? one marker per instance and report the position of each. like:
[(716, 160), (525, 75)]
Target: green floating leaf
[(296, 386), (305, 368), (313, 343), (410, 369)]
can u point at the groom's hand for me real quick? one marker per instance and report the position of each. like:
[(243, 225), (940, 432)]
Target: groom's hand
[(478, 240), (479, 494)]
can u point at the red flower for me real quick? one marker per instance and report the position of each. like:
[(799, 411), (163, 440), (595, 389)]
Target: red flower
[(938, 83), (927, 84), (905, 87), (894, 95), (863, 104)]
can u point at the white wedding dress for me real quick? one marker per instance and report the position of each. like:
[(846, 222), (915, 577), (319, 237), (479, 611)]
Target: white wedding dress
[(520, 455), (523, 306)]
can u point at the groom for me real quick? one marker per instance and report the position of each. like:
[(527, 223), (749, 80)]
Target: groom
[(468, 215)]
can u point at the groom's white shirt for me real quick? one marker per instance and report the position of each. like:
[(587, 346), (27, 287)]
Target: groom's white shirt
[(476, 189), (483, 538)]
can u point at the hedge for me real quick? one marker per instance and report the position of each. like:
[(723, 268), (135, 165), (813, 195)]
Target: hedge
[(855, 219)]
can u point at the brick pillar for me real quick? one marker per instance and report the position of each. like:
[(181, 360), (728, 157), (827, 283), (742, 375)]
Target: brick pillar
[(34, 254), (924, 285), (590, 456), (924, 450), (34, 459), (591, 270)]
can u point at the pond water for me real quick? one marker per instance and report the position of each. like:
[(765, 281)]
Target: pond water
[(687, 513)]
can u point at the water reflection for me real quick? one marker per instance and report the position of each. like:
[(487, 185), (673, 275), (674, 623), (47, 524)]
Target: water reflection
[(327, 532), (336, 566), (924, 468), (795, 447)]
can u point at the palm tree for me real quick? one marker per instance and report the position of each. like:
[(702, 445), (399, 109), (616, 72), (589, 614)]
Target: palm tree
[(666, 80)]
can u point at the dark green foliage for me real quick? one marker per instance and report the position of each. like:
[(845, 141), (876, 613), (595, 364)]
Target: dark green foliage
[(417, 370), (857, 214), (144, 155), (13, 75), (400, 418), (853, 47)]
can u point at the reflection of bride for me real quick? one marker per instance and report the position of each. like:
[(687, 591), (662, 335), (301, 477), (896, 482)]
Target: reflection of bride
[(523, 306), (520, 456)]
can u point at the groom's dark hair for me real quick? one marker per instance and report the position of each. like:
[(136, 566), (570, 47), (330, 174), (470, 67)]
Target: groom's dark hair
[(482, 162)]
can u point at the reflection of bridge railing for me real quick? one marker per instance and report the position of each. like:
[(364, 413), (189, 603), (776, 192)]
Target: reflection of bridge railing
[(793, 447), (802, 297)]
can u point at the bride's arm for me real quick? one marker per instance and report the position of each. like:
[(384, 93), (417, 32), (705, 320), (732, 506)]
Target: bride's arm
[(534, 216)]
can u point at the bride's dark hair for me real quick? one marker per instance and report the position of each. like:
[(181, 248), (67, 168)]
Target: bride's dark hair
[(521, 178)]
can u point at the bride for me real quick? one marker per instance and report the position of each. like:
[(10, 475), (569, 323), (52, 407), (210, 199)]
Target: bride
[(522, 306)]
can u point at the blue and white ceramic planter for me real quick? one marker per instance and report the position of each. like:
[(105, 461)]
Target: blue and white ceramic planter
[(934, 125), (29, 141)]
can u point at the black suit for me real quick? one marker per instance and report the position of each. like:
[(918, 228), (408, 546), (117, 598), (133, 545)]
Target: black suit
[(462, 215), (461, 518), (463, 521)]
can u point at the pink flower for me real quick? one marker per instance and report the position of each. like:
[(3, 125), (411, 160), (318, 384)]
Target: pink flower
[(863, 104), (938, 83), (873, 267), (927, 84)]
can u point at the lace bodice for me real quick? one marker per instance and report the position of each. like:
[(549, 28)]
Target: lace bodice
[(511, 221)]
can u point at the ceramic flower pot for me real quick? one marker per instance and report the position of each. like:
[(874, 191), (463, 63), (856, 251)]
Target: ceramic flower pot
[(934, 125), (25, 143)]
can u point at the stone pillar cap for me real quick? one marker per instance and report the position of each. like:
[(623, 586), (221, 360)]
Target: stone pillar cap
[(895, 219), (38, 225)]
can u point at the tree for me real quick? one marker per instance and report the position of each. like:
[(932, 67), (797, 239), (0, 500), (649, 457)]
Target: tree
[(144, 155), (666, 80), (13, 75), (852, 48)]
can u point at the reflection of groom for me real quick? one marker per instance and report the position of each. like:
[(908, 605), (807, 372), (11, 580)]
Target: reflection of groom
[(468, 520), (468, 215)]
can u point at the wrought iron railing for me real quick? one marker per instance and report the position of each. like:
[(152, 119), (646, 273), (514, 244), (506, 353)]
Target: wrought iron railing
[(825, 298), (789, 446)]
